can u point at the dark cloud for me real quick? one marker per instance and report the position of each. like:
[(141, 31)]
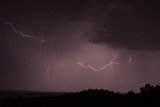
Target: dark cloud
[(131, 25), (75, 27)]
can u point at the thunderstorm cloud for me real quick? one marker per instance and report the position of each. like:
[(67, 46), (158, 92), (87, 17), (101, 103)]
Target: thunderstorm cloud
[(56, 34)]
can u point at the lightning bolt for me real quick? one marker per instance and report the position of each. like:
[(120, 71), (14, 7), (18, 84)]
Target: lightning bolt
[(20, 33), (17, 31), (42, 41), (49, 78), (110, 64)]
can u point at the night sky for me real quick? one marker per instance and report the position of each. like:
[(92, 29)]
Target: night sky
[(42, 43)]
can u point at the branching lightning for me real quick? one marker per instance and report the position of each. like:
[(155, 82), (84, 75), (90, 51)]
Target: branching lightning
[(111, 63), (42, 42), (17, 31), (20, 33)]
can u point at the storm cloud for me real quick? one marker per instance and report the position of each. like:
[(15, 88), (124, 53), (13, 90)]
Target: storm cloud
[(89, 31), (131, 25)]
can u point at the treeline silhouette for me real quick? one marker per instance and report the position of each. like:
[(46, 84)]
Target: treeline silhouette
[(149, 96)]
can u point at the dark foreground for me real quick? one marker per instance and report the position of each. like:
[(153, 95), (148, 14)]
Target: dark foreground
[(148, 97)]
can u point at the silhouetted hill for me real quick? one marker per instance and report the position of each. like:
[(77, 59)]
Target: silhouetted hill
[(149, 96), (26, 94)]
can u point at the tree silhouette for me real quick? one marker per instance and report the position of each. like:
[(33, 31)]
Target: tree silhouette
[(148, 97)]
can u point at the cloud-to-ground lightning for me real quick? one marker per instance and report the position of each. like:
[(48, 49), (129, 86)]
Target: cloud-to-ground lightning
[(49, 78), (42, 42), (110, 64)]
